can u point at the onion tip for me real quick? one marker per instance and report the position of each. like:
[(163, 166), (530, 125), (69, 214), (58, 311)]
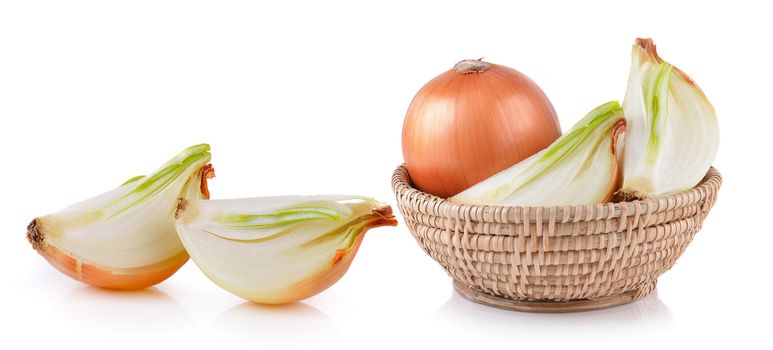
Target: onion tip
[(387, 217), (648, 45), (206, 173), (471, 66)]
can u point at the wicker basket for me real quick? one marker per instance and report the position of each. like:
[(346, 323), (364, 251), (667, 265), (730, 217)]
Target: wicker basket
[(555, 259)]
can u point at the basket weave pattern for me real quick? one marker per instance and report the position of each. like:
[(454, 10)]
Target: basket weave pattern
[(556, 253)]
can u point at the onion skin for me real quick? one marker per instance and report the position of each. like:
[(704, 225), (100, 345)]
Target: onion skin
[(617, 178), (472, 122)]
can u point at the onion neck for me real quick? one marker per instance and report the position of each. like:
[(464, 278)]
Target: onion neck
[(471, 66)]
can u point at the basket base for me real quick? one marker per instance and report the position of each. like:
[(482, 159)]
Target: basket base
[(549, 306)]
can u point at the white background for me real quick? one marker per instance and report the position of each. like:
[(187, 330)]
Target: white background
[(309, 98)]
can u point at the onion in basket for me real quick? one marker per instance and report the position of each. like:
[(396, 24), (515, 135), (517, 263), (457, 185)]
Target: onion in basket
[(581, 167), (673, 134), (278, 250), (471, 122)]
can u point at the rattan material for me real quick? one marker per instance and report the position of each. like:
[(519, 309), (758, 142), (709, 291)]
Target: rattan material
[(555, 255)]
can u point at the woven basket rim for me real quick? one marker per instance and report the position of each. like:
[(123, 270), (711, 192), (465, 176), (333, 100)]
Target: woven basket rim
[(709, 185)]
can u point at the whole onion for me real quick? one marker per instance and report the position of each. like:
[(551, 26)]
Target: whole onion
[(472, 122)]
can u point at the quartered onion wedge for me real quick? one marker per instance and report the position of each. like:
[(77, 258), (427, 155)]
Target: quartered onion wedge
[(674, 134), (278, 250), (581, 167), (125, 238)]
